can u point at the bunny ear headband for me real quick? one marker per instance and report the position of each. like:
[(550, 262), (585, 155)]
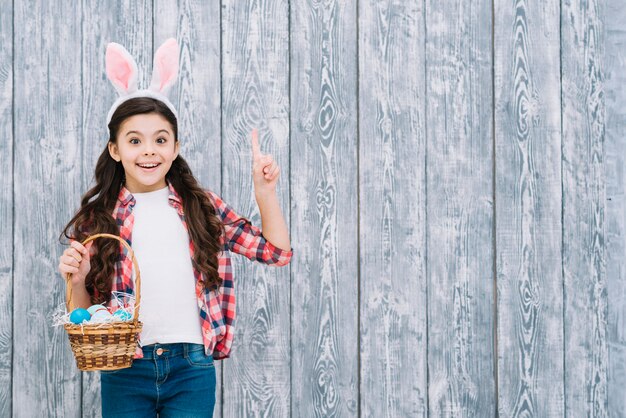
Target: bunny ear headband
[(121, 69)]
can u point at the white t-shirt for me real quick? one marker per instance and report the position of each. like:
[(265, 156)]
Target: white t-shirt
[(169, 307)]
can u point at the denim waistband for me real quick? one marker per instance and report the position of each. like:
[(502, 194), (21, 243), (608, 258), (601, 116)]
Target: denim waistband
[(169, 350)]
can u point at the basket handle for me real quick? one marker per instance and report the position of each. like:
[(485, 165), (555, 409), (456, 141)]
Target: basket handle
[(68, 283)]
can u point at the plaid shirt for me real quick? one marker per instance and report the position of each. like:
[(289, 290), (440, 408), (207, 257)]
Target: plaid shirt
[(216, 308)]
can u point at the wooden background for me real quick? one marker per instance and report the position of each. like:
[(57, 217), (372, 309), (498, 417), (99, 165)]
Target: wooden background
[(453, 174)]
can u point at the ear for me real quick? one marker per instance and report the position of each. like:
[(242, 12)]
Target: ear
[(121, 69), (113, 151), (165, 68)]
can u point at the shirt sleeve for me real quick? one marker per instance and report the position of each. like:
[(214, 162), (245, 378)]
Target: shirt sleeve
[(242, 237)]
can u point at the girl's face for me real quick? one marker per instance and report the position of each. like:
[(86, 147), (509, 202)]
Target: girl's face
[(142, 141)]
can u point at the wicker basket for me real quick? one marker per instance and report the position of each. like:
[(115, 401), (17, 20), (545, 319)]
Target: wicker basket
[(105, 346)]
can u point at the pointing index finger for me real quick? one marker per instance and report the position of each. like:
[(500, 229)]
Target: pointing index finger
[(256, 148)]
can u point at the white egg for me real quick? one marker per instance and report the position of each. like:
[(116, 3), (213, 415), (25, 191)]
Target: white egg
[(95, 308), (102, 315)]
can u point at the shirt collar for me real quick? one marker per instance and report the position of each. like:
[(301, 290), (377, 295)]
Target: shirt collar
[(125, 196)]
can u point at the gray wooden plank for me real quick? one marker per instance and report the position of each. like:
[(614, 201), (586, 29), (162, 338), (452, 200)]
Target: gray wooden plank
[(255, 91), (324, 340), (459, 171), (128, 23), (196, 26), (614, 18), (6, 207), (585, 297), (528, 208), (392, 210), (47, 180)]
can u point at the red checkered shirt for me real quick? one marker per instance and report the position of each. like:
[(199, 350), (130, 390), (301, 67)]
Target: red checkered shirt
[(216, 308)]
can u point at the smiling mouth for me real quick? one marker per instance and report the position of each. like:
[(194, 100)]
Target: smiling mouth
[(148, 167)]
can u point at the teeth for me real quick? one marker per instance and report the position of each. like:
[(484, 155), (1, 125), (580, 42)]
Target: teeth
[(148, 165)]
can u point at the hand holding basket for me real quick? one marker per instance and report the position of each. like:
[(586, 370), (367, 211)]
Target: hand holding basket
[(105, 346)]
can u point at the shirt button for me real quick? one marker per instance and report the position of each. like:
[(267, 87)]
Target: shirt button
[(159, 351)]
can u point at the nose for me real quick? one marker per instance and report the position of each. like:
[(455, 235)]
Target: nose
[(148, 150)]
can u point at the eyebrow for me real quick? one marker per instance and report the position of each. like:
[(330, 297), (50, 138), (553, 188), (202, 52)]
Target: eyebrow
[(139, 133)]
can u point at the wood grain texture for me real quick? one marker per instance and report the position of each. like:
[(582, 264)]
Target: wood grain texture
[(6, 207), (255, 94), (528, 208), (392, 196), (386, 111), (614, 18), (459, 218), (128, 23), (585, 298), (47, 183), (324, 339), (196, 95)]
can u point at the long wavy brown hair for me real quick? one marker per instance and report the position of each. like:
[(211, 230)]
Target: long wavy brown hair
[(95, 213)]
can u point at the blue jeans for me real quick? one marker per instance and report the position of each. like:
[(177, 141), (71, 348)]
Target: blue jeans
[(174, 380)]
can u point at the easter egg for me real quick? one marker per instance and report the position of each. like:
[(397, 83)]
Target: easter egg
[(122, 315), (102, 315), (79, 315), (94, 308)]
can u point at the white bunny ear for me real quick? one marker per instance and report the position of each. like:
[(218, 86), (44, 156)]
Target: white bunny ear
[(165, 68), (121, 69)]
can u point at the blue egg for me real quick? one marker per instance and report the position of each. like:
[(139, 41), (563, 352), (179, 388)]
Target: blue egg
[(122, 315), (79, 315)]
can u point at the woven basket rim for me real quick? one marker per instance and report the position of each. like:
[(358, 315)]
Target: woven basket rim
[(102, 327)]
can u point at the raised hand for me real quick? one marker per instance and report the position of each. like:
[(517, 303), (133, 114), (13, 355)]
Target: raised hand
[(265, 171)]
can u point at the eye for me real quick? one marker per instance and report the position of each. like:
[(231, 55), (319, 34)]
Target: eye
[(133, 139), (164, 140)]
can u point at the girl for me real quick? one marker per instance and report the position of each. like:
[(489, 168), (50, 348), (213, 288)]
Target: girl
[(181, 235)]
